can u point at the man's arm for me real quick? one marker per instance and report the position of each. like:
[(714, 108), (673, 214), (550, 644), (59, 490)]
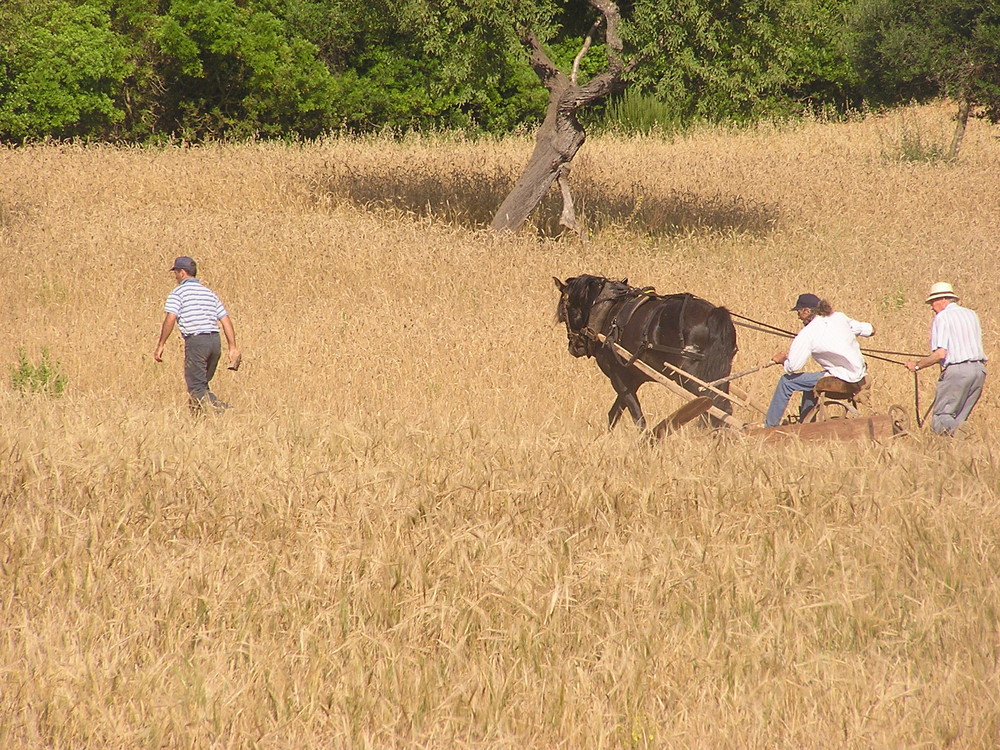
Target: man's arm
[(798, 352), (230, 332), (860, 328), (168, 325), (936, 357), (940, 332)]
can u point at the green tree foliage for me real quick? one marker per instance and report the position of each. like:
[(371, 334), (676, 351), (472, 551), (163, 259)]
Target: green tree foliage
[(198, 69), (739, 60), (821, 73), (912, 49), (201, 69), (449, 63), (236, 72), (61, 70)]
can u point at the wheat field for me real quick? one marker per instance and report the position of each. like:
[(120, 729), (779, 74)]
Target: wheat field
[(414, 529)]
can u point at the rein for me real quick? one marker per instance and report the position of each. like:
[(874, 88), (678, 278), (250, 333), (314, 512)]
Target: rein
[(580, 338), (775, 331)]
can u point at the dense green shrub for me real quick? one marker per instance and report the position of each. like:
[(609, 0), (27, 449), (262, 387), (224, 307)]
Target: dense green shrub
[(61, 71)]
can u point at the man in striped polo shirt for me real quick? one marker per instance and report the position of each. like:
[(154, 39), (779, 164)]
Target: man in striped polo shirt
[(956, 345), (198, 313)]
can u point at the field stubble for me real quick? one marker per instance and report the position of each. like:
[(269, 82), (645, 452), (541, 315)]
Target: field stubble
[(414, 529)]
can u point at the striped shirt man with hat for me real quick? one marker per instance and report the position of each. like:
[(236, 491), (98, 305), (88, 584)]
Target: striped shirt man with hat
[(957, 346), (198, 313)]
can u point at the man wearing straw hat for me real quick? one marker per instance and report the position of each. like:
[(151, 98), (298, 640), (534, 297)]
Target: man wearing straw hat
[(199, 314), (957, 346)]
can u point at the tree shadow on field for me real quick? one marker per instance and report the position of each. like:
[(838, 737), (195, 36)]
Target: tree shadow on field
[(470, 199)]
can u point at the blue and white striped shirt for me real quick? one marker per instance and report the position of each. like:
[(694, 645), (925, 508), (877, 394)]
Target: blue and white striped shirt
[(957, 330), (198, 308)]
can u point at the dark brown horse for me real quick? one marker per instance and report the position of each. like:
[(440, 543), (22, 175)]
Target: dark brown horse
[(681, 329)]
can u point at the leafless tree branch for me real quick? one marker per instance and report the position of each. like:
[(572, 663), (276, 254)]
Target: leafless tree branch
[(583, 51), (561, 134)]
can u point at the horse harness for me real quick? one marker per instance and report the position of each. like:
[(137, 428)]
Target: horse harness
[(633, 300)]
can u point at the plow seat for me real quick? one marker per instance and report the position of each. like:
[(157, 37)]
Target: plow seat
[(836, 398)]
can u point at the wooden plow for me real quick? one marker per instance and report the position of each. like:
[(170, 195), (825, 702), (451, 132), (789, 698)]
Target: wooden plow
[(853, 426)]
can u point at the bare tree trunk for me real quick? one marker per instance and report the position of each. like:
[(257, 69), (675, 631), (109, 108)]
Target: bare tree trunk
[(557, 141), (561, 135), (962, 119)]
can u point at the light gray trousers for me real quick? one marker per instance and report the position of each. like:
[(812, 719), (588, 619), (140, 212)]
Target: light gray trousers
[(957, 392)]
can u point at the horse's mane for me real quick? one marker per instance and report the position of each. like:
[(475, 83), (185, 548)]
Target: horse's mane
[(584, 290)]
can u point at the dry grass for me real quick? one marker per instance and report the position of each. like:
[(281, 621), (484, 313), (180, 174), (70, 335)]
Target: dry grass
[(414, 529)]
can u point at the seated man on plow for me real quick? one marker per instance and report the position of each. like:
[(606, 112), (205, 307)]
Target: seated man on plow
[(830, 338)]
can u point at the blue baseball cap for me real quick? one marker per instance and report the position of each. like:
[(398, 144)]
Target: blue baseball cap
[(184, 263), (806, 301)]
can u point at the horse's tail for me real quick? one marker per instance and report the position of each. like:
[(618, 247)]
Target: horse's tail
[(719, 352)]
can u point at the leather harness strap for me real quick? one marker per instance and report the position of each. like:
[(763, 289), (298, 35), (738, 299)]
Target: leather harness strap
[(633, 300)]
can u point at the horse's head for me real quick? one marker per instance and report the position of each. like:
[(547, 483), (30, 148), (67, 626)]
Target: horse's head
[(576, 296)]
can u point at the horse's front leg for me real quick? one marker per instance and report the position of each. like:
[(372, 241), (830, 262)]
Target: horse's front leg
[(626, 400), (625, 386), (616, 412)]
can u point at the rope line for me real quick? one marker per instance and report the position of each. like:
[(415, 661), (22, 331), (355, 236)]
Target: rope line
[(774, 330), (898, 354), (762, 324)]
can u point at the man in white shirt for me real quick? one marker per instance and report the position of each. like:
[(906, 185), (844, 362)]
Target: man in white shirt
[(830, 338), (957, 346)]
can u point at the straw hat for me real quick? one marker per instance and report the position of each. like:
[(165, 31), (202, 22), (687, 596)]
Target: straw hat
[(941, 290)]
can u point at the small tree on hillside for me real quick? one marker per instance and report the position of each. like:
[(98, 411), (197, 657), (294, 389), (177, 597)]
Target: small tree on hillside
[(949, 47)]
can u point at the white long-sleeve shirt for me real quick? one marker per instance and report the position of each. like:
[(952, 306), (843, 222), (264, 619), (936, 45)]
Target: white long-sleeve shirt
[(831, 341)]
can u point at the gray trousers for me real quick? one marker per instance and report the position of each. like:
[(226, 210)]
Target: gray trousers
[(201, 357), (957, 392)]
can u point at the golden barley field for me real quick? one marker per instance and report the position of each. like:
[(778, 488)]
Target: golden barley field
[(414, 529)]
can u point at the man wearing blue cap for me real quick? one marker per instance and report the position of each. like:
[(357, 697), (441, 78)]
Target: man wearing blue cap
[(830, 339), (198, 313)]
